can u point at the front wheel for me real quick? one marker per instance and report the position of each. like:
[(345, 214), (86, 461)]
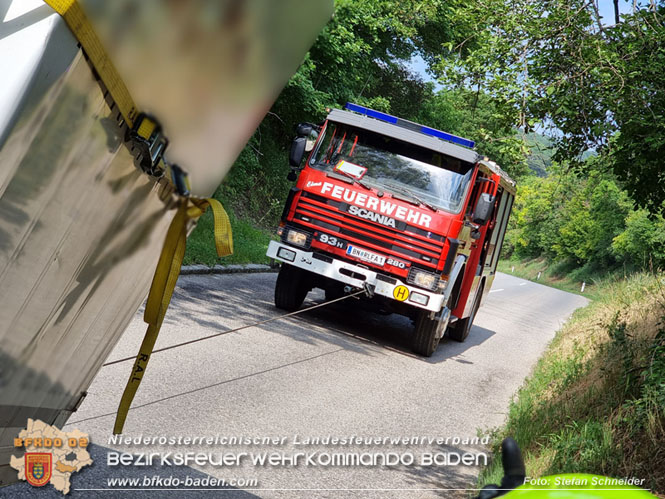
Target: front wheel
[(459, 330), (429, 331), (291, 287)]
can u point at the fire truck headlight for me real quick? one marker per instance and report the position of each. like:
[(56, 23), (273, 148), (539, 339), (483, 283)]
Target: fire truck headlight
[(423, 279), (297, 238)]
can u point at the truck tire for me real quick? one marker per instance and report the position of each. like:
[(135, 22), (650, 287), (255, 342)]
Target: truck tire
[(459, 330), (291, 287), (429, 332), (425, 340)]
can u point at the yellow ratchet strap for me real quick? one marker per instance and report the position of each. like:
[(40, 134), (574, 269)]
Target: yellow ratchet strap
[(78, 23), (189, 208), (163, 284)]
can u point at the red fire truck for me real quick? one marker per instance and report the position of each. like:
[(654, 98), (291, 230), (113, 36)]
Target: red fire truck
[(412, 214)]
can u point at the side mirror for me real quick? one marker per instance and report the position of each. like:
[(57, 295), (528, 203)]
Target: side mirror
[(310, 132), (311, 140), (297, 151), (483, 210), (304, 129)]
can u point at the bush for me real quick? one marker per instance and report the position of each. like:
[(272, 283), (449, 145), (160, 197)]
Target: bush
[(643, 241), (590, 222)]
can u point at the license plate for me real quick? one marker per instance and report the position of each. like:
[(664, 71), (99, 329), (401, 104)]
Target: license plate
[(365, 255)]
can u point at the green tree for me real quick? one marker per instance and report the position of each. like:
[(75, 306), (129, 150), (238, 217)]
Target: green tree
[(596, 87), (535, 222), (361, 56), (643, 241)]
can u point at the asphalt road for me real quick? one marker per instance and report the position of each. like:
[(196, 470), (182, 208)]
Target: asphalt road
[(336, 371)]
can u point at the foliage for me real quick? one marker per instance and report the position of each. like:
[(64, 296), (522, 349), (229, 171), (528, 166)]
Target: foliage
[(534, 221), (596, 87), (540, 155), (586, 219), (361, 56), (643, 240), (594, 216)]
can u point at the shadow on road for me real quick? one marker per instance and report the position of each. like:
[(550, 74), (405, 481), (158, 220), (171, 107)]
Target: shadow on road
[(460, 476), (347, 324), (220, 310), (452, 350)]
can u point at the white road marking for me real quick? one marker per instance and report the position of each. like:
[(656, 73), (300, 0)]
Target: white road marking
[(523, 284), (496, 290)]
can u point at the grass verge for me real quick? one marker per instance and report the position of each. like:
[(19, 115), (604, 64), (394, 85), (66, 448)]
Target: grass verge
[(595, 402), (560, 276), (250, 243)]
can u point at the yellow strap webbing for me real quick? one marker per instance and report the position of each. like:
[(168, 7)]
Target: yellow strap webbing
[(78, 22), (163, 284), (170, 260)]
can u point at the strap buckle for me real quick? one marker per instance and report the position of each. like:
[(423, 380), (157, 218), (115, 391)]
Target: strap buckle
[(150, 143), (180, 179)]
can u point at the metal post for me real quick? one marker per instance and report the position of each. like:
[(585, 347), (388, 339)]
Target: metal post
[(583, 286)]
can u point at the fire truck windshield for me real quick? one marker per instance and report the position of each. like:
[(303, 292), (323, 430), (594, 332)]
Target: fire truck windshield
[(389, 164)]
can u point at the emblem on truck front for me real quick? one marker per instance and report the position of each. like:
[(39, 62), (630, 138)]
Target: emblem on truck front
[(373, 216)]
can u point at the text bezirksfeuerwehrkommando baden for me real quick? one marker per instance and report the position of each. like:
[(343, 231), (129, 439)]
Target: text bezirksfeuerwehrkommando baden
[(296, 459)]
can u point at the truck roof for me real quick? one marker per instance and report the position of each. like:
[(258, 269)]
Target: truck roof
[(406, 131), (420, 135)]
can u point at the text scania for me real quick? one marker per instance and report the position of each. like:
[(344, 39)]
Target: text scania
[(373, 216), (383, 206), (280, 459)]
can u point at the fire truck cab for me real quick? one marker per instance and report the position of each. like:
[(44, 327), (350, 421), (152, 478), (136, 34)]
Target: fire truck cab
[(411, 214)]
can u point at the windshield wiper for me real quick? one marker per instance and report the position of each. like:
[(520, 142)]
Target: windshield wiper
[(348, 175), (414, 199)]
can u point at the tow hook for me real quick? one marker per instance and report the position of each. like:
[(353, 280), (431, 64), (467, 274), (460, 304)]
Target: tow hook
[(369, 290)]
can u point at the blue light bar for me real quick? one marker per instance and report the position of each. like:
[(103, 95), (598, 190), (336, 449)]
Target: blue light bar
[(371, 113), (409, 125), (448, 136)]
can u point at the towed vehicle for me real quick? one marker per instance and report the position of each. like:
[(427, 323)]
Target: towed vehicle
[(412, 214), (85, 202)]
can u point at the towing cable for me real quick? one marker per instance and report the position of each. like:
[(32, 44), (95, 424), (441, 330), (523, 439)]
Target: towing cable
[(365, 291), (147, 144)]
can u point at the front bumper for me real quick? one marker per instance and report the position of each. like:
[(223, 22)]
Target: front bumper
[(345, 272)]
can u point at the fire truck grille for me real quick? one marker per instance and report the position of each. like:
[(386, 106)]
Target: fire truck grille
[(411, 244)]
